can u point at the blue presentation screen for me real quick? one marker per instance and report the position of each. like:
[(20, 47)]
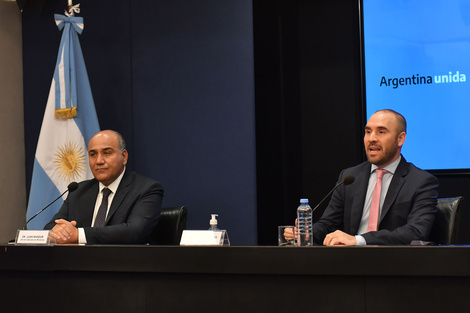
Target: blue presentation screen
[(417, 62)]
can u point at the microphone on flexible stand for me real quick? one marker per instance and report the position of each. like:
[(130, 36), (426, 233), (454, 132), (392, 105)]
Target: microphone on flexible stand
[(70, 188), (347, 180)]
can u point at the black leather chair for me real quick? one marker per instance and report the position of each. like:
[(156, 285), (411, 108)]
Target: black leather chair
[(444, 231), (170, 226)]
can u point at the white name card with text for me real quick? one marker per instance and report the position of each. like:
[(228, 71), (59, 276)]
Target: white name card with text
[(34, 237)]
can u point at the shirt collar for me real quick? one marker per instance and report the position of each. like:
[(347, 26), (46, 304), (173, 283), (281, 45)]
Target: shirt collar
[(392, 167), (115, 184)]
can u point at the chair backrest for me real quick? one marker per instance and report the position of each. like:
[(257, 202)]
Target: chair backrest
[(171, 225), (444, 231)]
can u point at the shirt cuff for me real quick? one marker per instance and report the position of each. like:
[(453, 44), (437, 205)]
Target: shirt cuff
[(360, 241), (81, 236)]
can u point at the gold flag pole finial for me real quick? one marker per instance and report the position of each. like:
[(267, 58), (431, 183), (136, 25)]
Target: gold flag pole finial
[(72, 9)]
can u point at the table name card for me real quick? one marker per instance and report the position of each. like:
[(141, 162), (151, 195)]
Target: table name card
[(34, 237), (204, 238)]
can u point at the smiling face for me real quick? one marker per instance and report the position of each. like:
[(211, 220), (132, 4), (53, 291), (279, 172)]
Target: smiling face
[(107, 161), (383, 138)]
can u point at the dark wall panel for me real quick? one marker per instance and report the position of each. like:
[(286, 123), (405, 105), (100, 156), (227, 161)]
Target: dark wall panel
[(193, 95), (330, 89), (106, 45), (278, 111), (308, 82)]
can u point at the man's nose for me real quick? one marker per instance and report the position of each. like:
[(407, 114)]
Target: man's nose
[(99, 159), (372, 137)]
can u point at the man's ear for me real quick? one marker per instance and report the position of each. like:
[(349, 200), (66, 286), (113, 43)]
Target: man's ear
[(124, 156), (401, 139)]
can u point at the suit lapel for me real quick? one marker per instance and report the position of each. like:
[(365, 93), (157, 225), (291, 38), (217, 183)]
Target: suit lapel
[(395, 185), (362, 179), (121, 193), (88, 201)]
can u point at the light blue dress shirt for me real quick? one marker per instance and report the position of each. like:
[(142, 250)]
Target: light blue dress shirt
[(386, 180)]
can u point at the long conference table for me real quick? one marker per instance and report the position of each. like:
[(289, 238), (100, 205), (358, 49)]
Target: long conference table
[(234, 279)]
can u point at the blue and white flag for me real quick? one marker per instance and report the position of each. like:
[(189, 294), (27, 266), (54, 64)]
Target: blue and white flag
[(69, 123)]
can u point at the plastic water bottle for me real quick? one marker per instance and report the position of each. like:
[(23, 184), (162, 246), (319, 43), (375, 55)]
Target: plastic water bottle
[(304, 224)]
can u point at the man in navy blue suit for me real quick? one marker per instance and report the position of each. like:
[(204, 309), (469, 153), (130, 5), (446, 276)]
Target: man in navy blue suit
[(408, 197), (118, 206)]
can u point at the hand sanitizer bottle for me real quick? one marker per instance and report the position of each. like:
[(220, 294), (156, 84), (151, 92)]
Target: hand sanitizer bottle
[(213, 222)]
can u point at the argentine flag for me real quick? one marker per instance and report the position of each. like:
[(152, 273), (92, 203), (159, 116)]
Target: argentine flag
[(68, 124)]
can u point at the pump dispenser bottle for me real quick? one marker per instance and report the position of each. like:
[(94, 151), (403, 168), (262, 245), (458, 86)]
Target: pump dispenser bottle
[(213, 222)]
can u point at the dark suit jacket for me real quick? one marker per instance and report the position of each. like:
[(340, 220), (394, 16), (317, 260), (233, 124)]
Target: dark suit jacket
[(408, 211), (132, 217)]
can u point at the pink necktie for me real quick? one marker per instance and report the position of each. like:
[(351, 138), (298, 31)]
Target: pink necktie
[(375, 203)]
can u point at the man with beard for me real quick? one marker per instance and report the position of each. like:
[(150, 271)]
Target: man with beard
[(401, 210)]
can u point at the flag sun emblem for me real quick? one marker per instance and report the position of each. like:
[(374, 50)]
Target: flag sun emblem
[(70, 161)]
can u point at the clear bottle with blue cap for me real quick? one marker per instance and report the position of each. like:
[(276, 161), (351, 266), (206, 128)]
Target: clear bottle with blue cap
[(304, 224)]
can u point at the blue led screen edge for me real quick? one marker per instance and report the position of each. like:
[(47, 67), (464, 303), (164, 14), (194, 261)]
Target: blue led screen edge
[(417, 62)]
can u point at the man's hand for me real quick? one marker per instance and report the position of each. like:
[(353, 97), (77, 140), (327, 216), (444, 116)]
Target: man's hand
[(289, 234), (339, 238), (65, 231)]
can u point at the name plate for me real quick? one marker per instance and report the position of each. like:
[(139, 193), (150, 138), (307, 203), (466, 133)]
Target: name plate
[(203, 238), (34, 237)]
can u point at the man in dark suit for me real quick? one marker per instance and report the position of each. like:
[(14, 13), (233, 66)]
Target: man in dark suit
[(407, 201), (116, 207)]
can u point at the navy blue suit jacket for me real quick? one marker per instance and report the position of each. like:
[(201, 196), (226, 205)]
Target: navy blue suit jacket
[(408, 211), (132, 217)]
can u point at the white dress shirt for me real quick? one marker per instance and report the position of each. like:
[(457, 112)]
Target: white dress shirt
[(113, 187)]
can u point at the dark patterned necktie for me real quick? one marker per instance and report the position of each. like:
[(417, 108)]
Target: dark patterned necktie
[(101, 216)]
